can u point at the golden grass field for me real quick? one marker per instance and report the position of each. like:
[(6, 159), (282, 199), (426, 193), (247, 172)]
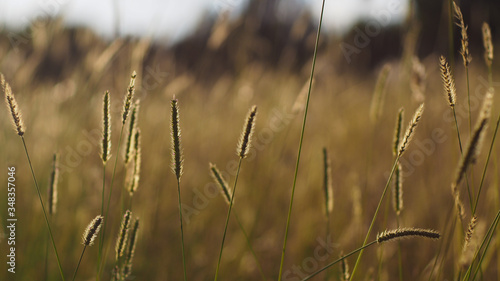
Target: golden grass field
[(59, 77)]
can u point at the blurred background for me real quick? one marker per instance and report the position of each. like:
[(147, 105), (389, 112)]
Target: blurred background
[(220, 57)]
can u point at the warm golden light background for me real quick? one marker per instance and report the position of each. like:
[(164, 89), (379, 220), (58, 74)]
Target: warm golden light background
[(59, 76)]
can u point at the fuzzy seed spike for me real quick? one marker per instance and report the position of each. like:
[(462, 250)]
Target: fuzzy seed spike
[(137, 163), (398, 233), (488, 44), (13, 107), (474, 146), (327, 183), (123, 235), (379, 92), (54, 179), (410, 130), (131, 249), (92, 230), (227, 194), (448, 81), (397, 131), (106, 129), (128, 98), (464, 51), (177, 161), (131, 131), (246, 135)]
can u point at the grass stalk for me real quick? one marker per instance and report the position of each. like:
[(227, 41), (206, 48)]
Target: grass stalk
[(227, 219), (486, 166), (259, 267), (301, 140), (43, 208), (182, 229), (79, 261), (374, 217)]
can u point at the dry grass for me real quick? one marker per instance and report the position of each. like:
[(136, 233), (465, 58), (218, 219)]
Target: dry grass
[(63, 113)]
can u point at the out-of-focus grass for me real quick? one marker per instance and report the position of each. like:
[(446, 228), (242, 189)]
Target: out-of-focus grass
[(59, 77)]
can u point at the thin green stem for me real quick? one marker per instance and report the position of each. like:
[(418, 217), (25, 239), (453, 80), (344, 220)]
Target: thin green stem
[(338, 260), (182, 229), (468, 97), (301, 140), (43, 209), (486, 166), (375, 216), (250, 245), (99, 255), (103, 232), (400, 255), (227, 219), (461, 154), (489, 233), (79, 261)]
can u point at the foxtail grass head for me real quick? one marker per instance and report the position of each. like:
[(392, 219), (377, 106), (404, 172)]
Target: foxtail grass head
[(131, 132), (389, 235), (92, 230), (128, 97), (226, 192), (54, 179), (410, 131), (246, 135), (327, 183), (464, 50), (106, 129), (123, 235), (136, 175), (448, 81), (13, 107), (177, 161), (129, 255), (377, 103), (488, 44), (475, 142)]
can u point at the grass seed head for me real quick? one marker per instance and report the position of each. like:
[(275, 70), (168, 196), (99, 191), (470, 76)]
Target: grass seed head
[(327, 183), (226, 192), (246, 135), (129, 256), (106, 129), (13, 107), (177, 161), (92, 230), (410, 130), (464, 51), (398, 233), (448, 81), (123, 235), (128, 97), (131, 131), (54, 179), (488, 44)]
